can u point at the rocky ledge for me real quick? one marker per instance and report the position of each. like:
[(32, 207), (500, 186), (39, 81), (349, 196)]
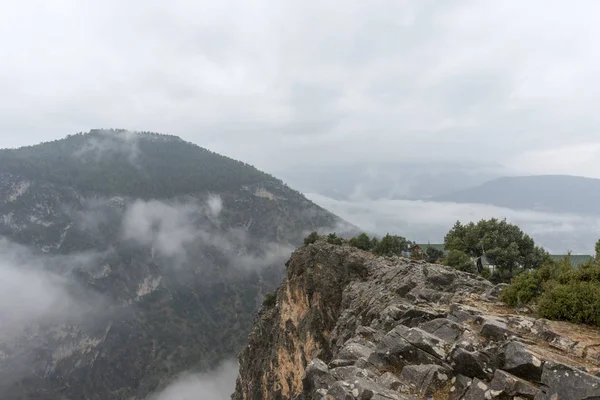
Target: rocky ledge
[(349, 325)]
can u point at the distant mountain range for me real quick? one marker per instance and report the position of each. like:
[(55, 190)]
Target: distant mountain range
[(550, 193)]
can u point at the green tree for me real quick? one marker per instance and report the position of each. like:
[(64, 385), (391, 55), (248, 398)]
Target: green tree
[(434, 255), (598, 251), (460, 260), (362, 241), (391, 245), (332, 238), (505, 245), (313, 237)]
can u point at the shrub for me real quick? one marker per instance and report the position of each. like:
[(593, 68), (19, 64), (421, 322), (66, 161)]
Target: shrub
[(332, 238), (270, 299), (461, 261), (576, 302), (313, 237), (525, 288)]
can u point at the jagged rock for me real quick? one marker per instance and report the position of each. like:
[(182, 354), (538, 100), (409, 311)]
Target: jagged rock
[(369, 333), (390, 381), (427, 342), (383, 346), (492, 294), (564, 382), (460, 385), (440, 277), (461, 313), (443, 328), (474, 364), (427, 379), (494, 329), (317, 376), (341, 391), (354, 351), (394, 352), (425, 295), (510, 385), (477, 391), (416, 316), (522, 363)]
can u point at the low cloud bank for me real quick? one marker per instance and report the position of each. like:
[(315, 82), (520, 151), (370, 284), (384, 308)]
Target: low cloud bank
[(218, 385), (425, 221)]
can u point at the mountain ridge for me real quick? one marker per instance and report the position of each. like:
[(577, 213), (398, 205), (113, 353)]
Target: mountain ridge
[(551, 193)]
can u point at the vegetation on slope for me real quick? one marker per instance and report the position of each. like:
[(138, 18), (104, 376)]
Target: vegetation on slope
[(145, 165)]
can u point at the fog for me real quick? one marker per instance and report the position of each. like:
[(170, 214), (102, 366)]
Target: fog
[(424, 221), (35, 288), (218, 384)]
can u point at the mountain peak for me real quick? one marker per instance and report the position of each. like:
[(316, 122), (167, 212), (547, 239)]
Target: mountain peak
[(137, 164)]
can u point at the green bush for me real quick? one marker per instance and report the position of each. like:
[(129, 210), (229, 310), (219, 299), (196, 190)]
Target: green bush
[(310, 239), (525, 288), (575, 302), (461, 261), (332, 238), (270, 299)]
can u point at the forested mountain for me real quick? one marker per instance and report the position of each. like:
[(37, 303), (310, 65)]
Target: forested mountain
[(553, 193), (132, 257)]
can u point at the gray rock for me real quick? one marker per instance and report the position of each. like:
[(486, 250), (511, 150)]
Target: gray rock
[(394, 352), (492, 294), (521, 362), (354, 351), (460, 385), (427, 342), (567, 383), (477, 391), (440, 277), (443, 328), (369, 333), (317, 376), (494, 329), (427, 379), (416, 316), (340, 391), (510, 385), (474, 364), (391, 381)]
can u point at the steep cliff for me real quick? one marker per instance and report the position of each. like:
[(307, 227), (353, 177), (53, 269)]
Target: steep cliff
[(347, 324)]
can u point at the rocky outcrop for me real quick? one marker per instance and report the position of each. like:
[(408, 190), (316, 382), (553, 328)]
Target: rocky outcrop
[(350, 325)]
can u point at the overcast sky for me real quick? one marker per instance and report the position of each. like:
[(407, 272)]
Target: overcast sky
[(281, 83)]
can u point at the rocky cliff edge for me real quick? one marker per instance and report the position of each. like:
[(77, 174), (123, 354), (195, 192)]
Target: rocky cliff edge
[(350, 325)]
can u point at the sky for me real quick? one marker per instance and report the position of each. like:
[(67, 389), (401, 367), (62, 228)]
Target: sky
[(286, 83)]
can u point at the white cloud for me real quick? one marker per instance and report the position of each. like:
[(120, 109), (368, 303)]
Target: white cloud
[(424, 221), (170, 228), (276, 84), (109, 142), (34, 289), (218, 384), (578, 159)]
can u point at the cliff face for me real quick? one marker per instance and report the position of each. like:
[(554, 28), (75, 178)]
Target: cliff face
[(347, 325)]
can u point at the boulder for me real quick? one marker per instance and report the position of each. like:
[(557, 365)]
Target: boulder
[(494, 329), (443, 328), (564, 382), (460, 385), (317, 376), (474, 364), (427, 379), (519, 361), (510, 385)]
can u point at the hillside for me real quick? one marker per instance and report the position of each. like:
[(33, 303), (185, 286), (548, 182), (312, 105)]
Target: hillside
[(346, 324), (553, 193), (136, 257)]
